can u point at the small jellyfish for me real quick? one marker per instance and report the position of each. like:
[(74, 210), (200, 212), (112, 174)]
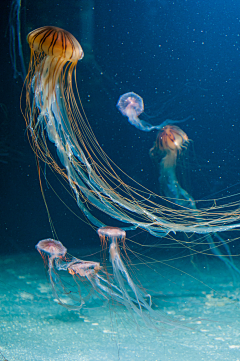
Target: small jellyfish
[(100, 282), (135, 299), (131, 106), (121, 275), (111, 233), (54, 251), (168, 145), (171, 138), (52, 248), (83, 268)]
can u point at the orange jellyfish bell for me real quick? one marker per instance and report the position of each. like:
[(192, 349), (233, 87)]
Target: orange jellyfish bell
[(54, 55), (55, 42), (171, 138), (169, 142)]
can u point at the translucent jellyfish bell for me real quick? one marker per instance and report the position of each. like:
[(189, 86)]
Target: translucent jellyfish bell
[(130, 104), (84, 269), (52, 248), (111, 233)]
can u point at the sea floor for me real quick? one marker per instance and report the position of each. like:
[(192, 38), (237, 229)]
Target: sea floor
[(35, 327)]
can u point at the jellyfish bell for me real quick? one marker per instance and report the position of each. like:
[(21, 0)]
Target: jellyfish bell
[(55, 42), (84, 268), (130, 104), (169, 143), (171, 138), (51, 49), (111, 233), (51, 247)]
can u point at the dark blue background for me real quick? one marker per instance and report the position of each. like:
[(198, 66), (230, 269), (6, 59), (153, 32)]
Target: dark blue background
[(182, 57)]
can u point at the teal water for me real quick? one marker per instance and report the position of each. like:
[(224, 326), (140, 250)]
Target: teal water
[(35, 327)]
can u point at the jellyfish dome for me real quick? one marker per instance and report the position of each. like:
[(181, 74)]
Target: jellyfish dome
[(130, 102), (55, 42), (112, 233), (84, 269), (171, 138), (51, 247)]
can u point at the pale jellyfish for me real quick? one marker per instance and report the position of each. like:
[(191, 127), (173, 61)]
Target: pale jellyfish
[(131, 105), (53, 251), (135, 299)]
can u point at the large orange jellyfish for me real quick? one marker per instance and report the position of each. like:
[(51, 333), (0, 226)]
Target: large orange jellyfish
[(51, 48)]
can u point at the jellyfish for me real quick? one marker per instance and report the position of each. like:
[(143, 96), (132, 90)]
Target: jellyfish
[(131, 106), (169, 144), (99, 279), (52, 251), (115, 235), (52, 114), (137, 301)]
